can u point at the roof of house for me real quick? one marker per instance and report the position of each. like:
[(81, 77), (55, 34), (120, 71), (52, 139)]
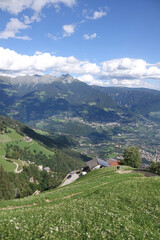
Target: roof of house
[(47, 169), (97, 161), (102, 162), (92, 163), (111, 160), (115, 163)]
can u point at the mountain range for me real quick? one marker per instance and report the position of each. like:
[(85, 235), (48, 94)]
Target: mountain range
[(32, 98)]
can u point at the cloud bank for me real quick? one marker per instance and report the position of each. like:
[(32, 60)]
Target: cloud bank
[(123, 71)]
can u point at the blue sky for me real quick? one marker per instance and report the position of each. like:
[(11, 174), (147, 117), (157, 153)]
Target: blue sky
[(104, 42)]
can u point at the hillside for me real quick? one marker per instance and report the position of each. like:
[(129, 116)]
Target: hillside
[(18, 141), (138, 100), (101, 205)]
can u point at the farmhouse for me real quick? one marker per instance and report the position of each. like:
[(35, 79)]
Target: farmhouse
[(47, 169), (92, 163), (97, 163), (113, 162), (28, 139), (40, 167)]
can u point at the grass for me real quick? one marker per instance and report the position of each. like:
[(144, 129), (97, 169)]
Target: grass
[(42, 132), (2, 149), (101, 205), (33, 146), (8, 166), (112, 155), (20, 163), (11, 136)]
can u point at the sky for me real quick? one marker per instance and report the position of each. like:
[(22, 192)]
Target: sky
[(103, 42)]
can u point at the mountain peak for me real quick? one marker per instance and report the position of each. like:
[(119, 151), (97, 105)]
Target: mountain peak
[(66, 78)]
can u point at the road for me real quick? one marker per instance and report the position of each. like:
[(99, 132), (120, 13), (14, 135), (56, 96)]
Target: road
[(73, 178), (16, 170)]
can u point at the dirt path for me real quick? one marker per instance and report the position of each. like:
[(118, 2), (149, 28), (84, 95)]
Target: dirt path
[(16, 170)]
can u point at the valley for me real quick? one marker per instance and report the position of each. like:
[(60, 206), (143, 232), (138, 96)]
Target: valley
[(99, 121), (107, 140)]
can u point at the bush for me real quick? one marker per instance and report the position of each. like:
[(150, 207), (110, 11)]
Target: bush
[(155, 167), (132, 157)]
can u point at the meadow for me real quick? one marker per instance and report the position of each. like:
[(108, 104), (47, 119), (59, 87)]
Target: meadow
[(12, 138), (100, 205), (8, 166), (33, 146)]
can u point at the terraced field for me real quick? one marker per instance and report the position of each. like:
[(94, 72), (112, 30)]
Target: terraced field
[(100, 205)]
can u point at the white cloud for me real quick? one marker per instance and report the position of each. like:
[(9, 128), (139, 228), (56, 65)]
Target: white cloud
[(89, 79), (136, 83), (38, 53), (87, 37), (13, 28), (12, 63), (17, 6), (68, 30), (29, 20), (129, 68), (97, 14), (51, 36), (121, 72)]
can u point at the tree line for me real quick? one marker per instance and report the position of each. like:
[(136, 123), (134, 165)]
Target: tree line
[(20, 185)]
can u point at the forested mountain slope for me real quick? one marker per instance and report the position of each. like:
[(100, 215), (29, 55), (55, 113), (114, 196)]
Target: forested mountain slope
[(138, 100)]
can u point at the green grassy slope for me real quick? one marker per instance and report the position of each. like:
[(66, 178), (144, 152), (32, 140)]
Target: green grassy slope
[(12, 135), (42, 150), (8, 166), (8, 138), (12, 138), (101, 205)]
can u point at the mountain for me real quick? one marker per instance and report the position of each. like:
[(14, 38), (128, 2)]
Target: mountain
[(40, 97), (138, 100), (7, 94), (31, 98), (26, 84)]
